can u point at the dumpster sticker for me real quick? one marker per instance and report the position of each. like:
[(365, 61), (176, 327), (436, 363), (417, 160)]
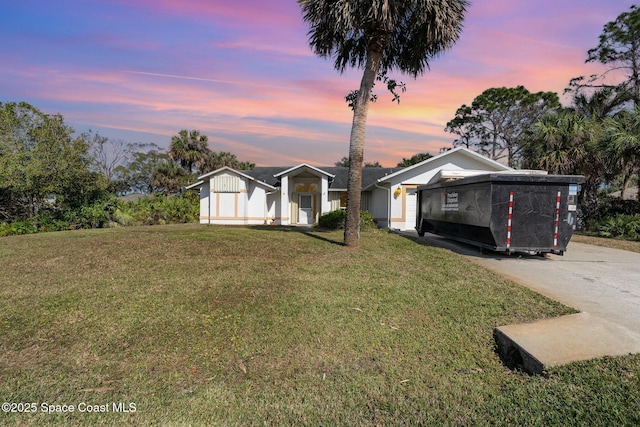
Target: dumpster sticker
[(449, 202), (572, 204)]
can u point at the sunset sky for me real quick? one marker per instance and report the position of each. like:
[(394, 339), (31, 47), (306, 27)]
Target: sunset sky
[(243, 74)]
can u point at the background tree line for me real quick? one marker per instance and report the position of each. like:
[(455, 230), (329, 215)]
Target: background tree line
[(416, 158), (52, 179), (597, 135)]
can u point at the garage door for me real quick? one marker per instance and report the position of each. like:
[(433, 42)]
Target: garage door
[(410, 209)]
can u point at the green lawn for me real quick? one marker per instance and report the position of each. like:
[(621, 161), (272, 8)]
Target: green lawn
[(625, 245), (199, 325)]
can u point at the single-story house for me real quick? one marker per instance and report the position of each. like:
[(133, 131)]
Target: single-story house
[(298, 195)]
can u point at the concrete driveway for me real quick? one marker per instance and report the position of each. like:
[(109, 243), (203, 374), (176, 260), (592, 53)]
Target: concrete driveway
[(602, 283)]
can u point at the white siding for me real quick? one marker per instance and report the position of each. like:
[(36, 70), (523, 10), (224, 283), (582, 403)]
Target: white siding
[(325, 206), (227, 207), (379, 206), (334, 200), (283, 211), (205, 199), (257, 210)]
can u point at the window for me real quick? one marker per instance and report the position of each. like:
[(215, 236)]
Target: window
[(343, 200), (305, 201)]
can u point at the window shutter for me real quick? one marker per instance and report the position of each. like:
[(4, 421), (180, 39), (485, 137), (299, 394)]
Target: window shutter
[(226, 184)]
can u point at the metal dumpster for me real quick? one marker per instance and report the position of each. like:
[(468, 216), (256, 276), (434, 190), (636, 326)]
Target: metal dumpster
[(506, 212)]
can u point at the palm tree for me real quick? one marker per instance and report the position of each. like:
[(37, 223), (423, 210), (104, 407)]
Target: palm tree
[(567, 142), (378, 35), (558, 142), (600, 104), (225, 158), (622, 135), (168, 177), (189, 149), (219, 159)]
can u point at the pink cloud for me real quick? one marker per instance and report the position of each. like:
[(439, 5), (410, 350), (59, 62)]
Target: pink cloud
[(260, 46), (259, 13), (254, 87)]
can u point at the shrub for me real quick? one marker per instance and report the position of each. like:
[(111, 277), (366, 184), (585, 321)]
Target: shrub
[(617, 218), (99, 214), (366, 221), (54, 225), (159, 210), (335, 220), (123, 217), (17, 228), (620, 226), (610, 207), (332, 220), (109, 211), (50, 220)]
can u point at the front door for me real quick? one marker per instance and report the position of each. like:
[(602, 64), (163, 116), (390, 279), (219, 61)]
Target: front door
[(305, 209)]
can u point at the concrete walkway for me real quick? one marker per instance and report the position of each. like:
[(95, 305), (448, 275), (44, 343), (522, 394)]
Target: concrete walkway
[(602, 283)]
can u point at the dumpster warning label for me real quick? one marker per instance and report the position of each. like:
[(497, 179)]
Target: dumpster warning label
[(572, 204), (449, 202)]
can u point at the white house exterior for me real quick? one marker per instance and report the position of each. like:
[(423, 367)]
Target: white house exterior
[(298, 195)]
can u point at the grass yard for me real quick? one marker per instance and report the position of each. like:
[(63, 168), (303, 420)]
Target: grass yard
[(197, 325), (625, 245)]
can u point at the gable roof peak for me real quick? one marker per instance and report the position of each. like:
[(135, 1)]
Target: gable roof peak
[(462, 150), (303, 165), (244, 174)]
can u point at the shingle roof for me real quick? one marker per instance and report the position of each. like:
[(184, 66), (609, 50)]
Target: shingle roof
[(266, 174), (369, 175)]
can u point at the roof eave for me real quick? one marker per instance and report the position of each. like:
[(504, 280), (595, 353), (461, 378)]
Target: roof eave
[(194, 185)]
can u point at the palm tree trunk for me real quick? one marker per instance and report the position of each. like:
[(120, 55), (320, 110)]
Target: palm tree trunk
[(356, 147), (627, 174)]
